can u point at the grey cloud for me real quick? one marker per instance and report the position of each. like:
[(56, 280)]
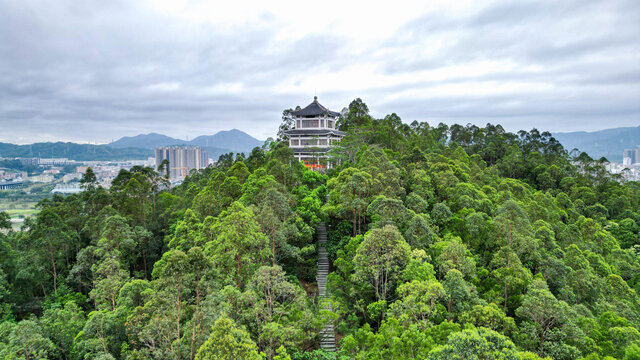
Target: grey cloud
[(99, 70)]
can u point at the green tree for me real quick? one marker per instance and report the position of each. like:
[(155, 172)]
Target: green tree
[(515, 231), (349, 196), (281, 354), (544, 311), (173, 280), (61, 325), (455, 255), (89, 180), (357, 116), (393, 340), (478, 344), (52, 239), (458, 292), (227, 341), (418, 300), (239, 247), (489, 316), (26, 340), (108, 279), (278, 310), (102, 335), (380, 258), (509, 272), (274, 214), (5, 220)]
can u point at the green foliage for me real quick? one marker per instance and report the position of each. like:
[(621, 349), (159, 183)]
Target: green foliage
[(277, 310), (61, 325), (458, 242), (228, 342), (380, 258), (5, 220), (25, 340), (476, 344), (239, 247)]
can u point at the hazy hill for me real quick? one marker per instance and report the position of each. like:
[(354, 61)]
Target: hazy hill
[(219, 143), (146, 141), (234, 140), (73, 151), (608, 143), (133, 147)]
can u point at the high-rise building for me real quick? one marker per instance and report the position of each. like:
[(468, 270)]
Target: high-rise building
[(631, 156), (314, 134), (182, 159)]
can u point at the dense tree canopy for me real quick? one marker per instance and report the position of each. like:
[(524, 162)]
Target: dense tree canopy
[(457, 242)]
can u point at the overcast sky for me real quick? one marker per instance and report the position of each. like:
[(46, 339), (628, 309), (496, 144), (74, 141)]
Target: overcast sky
[(96, 70)]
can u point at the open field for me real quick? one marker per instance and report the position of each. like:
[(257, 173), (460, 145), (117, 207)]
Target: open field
[(21, 213), (21, 203)]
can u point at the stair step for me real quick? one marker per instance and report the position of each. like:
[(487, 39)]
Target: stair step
[(327, 334)]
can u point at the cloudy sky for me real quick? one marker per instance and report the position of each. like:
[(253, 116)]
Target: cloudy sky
[(97, 70)]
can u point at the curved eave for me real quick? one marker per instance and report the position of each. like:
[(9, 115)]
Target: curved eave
[(315, 132), (305, 114), (299, 150)]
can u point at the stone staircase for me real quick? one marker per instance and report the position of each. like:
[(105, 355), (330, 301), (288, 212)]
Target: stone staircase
[(327, 335)]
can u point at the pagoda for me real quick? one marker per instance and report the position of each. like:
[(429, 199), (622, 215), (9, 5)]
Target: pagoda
[(314, 134)]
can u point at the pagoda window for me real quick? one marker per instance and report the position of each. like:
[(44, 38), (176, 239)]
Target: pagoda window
[(322, 142), (295, 142), (330, 124), (313, 123), (298, 124)]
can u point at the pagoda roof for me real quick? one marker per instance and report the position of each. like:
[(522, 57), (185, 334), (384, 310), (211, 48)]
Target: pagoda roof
[(314, 109), (313, 131)]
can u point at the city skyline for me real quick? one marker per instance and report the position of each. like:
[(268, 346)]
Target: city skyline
[(94, 72)]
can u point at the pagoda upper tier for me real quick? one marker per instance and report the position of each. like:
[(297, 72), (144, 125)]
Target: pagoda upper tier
[(315, 117), (315, 109)]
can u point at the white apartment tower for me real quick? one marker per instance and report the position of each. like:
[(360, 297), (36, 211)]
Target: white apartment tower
[(182, 159)]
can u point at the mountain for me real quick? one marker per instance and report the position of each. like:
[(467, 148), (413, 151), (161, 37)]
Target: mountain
[(146, 141), (234, 140), (133, 147), (73, 151), (608, 143), (222, 142)]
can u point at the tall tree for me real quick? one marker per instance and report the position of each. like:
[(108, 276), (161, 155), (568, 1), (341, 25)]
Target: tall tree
[(89, 180), (52, 239), (279, 310), (349, 196), (239, 247), (511, 275), (380, 258), (542, 308), (228, 342)]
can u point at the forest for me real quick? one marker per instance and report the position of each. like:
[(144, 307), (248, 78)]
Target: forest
[(445, 242)]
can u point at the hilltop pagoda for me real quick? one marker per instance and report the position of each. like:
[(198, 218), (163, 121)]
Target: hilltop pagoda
[(314, 134)]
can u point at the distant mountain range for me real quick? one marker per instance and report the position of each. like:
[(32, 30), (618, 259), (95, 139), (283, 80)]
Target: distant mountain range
[(136, 147), (608, 143), (73, 151), (224, 141)]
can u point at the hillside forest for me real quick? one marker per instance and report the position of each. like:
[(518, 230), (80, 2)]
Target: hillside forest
[(457, 242)]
